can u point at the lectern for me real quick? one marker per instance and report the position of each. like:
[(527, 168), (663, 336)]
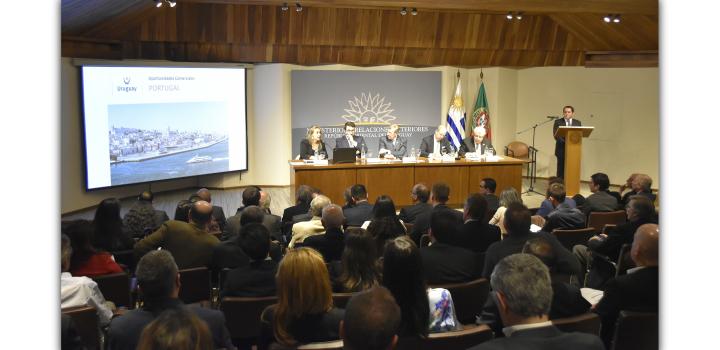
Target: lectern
[(573, 153)]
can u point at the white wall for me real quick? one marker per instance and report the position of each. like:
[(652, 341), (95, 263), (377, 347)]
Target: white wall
[(623, 104)]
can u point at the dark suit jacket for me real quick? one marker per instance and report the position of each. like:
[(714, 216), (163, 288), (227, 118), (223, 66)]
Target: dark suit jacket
[(228, 254), (468, 145), (566, 262), (428, 144), (493, 203), (398, 150), (637, 291), (600, 201), (444, 263), (410, 214), (306, 150), (308, 328), (550, 338), (626, 197), (564, 217), (616, 237), (342, 142), (330, 244), (560, 141), (297, 209), (232, 228), (124, 331), (422, 222), (357, 215), (219, 214), (256, 279), (476, 235)]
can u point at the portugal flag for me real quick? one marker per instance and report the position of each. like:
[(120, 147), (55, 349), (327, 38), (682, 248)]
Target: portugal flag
[(481, 112)]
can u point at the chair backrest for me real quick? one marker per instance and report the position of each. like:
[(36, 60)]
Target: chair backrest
[(222, 276), (195, 285), (468, 297), (86, 323), (409, 227), (326, 345), (242, 314), (570, 238), (425, 240), (341, 299), (115, 287), (636, 331), (624, 261), (517, 149), (470, 336), (585, 323), (598, 220), (126, 258)]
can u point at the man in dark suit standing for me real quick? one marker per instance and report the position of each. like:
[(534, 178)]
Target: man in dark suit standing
[(362, 210), (636, 291), (475, 142), (420, 195), (567, 120), (349, 140), (522, 288), (393, 145), (436, 143)]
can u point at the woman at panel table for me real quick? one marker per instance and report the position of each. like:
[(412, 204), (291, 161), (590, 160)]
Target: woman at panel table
[(313, 144)]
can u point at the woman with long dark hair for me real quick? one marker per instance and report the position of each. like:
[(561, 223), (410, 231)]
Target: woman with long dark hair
[(423, 309), (109, 232), (385, 223), (86, 260), (358, 270)]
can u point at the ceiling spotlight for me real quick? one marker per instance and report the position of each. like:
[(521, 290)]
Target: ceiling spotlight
[(414, 11), (606, 19), (518, 16), (298, 7), (616, 19), (509, 16), (403, 11), (284, 7), (171, 3), (158, 3)]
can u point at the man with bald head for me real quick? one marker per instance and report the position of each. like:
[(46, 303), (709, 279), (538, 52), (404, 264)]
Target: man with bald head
[(476, 142), (638, 289), (217, 212), (189, 242), (436, 143), (332, 243), (420, 195)]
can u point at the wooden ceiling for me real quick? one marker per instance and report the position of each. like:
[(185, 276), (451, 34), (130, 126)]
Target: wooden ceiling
[(461, 33)]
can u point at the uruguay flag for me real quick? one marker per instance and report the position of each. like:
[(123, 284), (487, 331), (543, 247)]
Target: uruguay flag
[(456, 119)]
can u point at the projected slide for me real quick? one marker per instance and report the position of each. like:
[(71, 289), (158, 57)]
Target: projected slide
[(154, 123)]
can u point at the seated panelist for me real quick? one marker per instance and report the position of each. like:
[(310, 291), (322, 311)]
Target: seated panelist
[(393, 145), (312, 146), (436, 144), (476, 143), (349, 140)]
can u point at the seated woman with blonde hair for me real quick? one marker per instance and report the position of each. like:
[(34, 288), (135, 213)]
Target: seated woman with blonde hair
[(304, 312), (312, 146)]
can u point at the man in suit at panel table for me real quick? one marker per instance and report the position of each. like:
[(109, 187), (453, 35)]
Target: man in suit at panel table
[(439, 195), (362, 210), (349, 140), (436, 143), (567, 120), (393, 145), (636, 291), (476, 142), (420, 195), (522, 288)]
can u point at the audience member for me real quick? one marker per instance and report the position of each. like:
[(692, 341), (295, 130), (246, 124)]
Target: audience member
[(420, 195), (70, 337), (176, 329), (422, 309), (86, 260), (218, 214), (522, 289), (331, 243), (272, 222), (229, 253), (393, 145), (638, 289), (445, 263), (347, 196), (304, 312), (600, 199), (143, 217), (641, 186), (303, 197), (250, 196), (190, 243), (640, 211), (436, 144), (304, 229), (110, 233), (182, 211), (476, 234), (546, 206), (439, 195), (159, 282), (79, 291), (487, 189), (256, 278), (371, 322), (517, 221), (357, 269), (476, 143), (508, 196), (237, 221), (361, 211), (385, 208), (563, 217)]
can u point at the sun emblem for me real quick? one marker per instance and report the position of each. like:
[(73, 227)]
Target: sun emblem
[(369, 109)]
